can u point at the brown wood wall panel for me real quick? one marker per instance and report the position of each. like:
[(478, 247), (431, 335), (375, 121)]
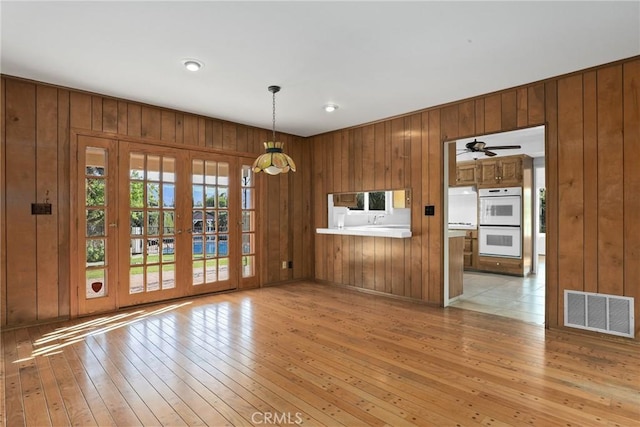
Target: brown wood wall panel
[(493, 113), (435, 245), (610, 181), (168, 126), (151, 123), (20, 122), (123, 117), (553, 315), (110, 115), (467, 118), (3, 222), (570, 183), (64, 215), (47, 191), (522, 118), (134, 120), (536, 104), (479, 103), (631, 105), (509, 106), (96, 113), (415, 203), (80, 110), (590, 178)]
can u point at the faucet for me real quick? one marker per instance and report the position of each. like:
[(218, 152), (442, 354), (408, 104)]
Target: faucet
[(376, 218)]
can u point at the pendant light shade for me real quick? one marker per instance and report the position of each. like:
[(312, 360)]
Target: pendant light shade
[(274, 161)]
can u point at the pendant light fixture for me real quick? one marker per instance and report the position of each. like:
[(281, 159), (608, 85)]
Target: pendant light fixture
[(274, 161)]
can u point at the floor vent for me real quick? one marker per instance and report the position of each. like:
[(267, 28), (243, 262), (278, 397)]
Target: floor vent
[(610, 314)]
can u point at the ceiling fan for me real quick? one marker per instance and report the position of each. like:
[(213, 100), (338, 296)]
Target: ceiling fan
[(476, 146)]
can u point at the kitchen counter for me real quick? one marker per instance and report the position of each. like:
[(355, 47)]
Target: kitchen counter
[(390, 230)]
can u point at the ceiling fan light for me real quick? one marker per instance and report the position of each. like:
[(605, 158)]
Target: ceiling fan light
[(329, 108)]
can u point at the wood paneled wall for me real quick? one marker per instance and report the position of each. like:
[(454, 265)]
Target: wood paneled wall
[(592, 123), (36, 125)]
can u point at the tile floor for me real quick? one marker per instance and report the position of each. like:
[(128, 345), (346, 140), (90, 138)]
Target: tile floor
[(515, 297)]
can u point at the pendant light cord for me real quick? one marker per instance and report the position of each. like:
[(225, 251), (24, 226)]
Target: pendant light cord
[(274, 116)]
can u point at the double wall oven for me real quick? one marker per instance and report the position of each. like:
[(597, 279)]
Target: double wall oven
[(500, 222)]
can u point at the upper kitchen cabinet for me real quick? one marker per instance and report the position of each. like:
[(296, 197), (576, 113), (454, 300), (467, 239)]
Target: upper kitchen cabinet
[(466, 174), (503, 171)]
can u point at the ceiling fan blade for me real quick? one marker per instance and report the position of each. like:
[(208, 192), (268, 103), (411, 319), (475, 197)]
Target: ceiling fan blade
[(489, 153), (503, 147)]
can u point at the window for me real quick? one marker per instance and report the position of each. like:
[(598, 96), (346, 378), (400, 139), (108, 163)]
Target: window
[(370, 201)]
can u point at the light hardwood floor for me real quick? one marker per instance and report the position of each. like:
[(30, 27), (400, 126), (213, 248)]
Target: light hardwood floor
[(315, 355)]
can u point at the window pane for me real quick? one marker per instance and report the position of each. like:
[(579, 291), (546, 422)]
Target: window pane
[(377, 201), (168, 223), (198, 196), (247, 244), (136, 222), (210, 226), (197, 172), (136, 166), (153, 278), (248, 221), (153, 195), (198, 272), (96, 283), (96, 161), (210, 248), (248, 266), (95, 252), (210, 172), (223, 197), (247, 176), (95, 192), (153, 168), (153, 223), (168, 169), (168, 249), (247, 198), (198, 250), (210, 200), (197, 221), (168, 195), (135, 248), (223, 269), (223, 245), (136, 280), (136, 194), (152, 250), (223, 223), (211, 270), (168, 276), (223, 174), (95, 222)]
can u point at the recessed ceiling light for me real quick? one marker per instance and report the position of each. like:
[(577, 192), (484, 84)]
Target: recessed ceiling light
[(330, 108), (192, 64)]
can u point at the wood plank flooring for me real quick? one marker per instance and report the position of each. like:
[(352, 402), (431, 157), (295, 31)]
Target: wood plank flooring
[(314, 355)]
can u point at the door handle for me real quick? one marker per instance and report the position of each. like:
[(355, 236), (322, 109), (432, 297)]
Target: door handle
[(113, 225)]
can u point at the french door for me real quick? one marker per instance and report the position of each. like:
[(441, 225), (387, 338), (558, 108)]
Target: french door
[(172, 223)]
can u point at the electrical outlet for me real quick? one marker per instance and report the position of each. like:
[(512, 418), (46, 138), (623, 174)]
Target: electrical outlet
[(284, 264)]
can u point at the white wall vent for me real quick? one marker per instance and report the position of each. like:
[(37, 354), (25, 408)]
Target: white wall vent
[(610, 314)]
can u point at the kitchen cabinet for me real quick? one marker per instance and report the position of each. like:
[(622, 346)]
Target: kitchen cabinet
[(456, 244), (466, 174), (470, 251), (514, 266), (503, 171)]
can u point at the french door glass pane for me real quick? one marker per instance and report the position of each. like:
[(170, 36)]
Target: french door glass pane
[(210, 218), (96, 177), (248, 216), (152, 217)]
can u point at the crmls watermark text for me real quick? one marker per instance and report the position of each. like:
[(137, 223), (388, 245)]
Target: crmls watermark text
[(281, 418)]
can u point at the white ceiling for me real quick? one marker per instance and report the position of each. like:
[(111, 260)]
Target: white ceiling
[(374, 59)]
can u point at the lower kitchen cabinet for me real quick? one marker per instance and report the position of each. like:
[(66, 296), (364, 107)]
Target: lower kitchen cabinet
[(515, 266), (470, 251)]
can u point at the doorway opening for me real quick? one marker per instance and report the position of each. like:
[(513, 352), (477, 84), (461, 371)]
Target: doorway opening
[(502, 238)]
